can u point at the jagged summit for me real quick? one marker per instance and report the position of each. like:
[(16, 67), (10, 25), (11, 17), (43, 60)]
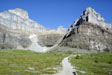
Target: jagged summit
[(90, 32), (90, 15)]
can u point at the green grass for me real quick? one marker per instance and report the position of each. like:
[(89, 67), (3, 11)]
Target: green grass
[(93, 64), (21, 62)]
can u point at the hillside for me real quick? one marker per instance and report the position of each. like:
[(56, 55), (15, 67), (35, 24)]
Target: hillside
[(20, 62), (11, 39), (90, 33), (16, 28)]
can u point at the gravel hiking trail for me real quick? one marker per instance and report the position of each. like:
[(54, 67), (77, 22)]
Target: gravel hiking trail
[(67, 68)]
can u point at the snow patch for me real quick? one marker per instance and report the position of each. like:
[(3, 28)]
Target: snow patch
[(35, 46)]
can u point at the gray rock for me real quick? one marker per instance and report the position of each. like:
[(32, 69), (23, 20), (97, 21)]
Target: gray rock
[(10, 39), (18, 19), (90, 32), (17, 26), (49, 40)]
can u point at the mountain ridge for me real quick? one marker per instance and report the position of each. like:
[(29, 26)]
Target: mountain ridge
[(16, 23), (94, 34), (89, 32), (85, 17), (18, 19)]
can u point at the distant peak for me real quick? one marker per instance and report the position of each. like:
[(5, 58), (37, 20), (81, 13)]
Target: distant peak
[(90, 9), (91, 16), (60, 27), (19, 9), (20, 12)]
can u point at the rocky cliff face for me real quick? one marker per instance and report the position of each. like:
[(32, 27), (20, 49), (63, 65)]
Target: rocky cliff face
[(11, 39), (90, 15), (51, 37), (90, 32), (17, 20)]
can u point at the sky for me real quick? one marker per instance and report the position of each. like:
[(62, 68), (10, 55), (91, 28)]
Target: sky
[(53, 13)]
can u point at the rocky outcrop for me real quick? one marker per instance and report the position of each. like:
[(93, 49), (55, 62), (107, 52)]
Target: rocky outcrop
[(90, 32), (18, 19), (16, 27), (90, 15), (10, 39), (49, 40), (51, 37)]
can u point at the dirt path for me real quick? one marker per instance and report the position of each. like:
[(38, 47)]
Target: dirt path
[(67, 68)]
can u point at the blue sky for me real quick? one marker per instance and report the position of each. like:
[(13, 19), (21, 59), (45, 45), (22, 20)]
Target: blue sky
[(53, 13)]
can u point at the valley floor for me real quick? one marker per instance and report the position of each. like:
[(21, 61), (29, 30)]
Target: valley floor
[(24, 62), (21, 62), (93, 64)]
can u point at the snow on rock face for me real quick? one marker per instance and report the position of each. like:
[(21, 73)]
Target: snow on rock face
[(18, 20), (35, 46)]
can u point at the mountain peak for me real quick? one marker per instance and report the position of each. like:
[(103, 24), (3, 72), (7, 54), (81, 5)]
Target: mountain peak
[(18, 19), (20, 12), (89, 9), (91, 16)]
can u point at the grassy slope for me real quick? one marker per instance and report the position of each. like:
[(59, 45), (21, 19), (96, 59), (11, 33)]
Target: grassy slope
[(93, 64), (20, 62)]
